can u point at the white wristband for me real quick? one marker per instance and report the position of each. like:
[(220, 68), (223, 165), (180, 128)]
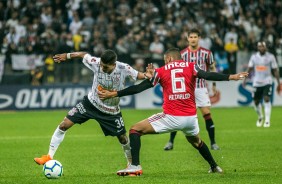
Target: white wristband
[(68, 56), (145, 76)]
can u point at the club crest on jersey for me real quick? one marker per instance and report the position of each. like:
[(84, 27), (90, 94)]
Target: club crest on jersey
[(72, 111), (121, 67), (116, 78)]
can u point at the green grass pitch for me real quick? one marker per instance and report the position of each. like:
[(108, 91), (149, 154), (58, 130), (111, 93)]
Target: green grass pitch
[(248, 154)]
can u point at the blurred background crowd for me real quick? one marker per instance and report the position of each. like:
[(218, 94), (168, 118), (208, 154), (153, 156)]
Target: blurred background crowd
[(138, 30)]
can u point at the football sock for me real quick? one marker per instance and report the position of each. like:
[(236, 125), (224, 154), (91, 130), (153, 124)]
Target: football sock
[(135, 144), (258, 109), (57, 138), (210, 127), (127, 151), (267, 111), (172, 137), (206, 154)]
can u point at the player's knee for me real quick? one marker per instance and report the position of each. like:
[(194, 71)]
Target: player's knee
[(266, 99), (65, 124), (207, 116), (133, 131), (195, 142), (123, 139)]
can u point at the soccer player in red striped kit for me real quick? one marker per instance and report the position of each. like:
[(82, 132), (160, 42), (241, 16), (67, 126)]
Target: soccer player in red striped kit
[(204, 59), (177, 79)]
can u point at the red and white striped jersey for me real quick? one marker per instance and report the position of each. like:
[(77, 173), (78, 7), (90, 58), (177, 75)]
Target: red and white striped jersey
[(202, 57), (113, 81), (177, 79)]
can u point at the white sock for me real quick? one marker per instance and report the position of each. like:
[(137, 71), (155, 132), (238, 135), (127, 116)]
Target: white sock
[(56, 140), (127, 151), (258, 109), (267, 111)]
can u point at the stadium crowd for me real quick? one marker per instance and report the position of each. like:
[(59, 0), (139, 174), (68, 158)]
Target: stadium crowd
[(138, 30)]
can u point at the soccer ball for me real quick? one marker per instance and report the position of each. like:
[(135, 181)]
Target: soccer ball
[(53, 169)]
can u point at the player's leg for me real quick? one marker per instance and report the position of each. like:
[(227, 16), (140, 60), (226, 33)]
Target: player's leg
[(135, 133), (209, 126), (57, 138), (258, 94), (125, 144), (113, 125), (190, 128), (203, 102), (203, 149), (76, 115), (267, 90), (169, 144)]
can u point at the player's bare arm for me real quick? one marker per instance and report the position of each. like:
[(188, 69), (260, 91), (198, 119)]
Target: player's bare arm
[(276, 75), (250, 69), (105, 94), (239, 76), (148, 74), (65, 56)]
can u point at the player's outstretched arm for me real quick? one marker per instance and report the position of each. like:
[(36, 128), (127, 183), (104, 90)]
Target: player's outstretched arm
[(65, 56), (221, 77), (250, 69), (131, 90)]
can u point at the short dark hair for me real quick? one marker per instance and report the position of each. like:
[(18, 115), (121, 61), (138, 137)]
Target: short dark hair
[(194, 31), (109, 57), (174, 52)]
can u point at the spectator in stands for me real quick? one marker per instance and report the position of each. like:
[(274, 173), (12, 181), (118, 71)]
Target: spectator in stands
[(231, 48), (36, 76), (138, 23), (157, 48)]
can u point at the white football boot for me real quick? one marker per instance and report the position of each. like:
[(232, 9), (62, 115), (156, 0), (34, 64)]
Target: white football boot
[(217, 169), (259, 122), (131, 170), (266, 124)]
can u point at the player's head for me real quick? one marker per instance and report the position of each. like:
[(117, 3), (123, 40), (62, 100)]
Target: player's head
[(193, 37), (261, 47), (171, 55), (108, 61)]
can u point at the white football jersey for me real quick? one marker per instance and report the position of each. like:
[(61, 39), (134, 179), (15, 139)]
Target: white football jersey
[(113, 81), (262, 65)]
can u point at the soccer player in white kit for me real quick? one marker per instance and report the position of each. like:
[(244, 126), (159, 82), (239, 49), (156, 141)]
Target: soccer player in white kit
[(177, 79), (108, 74), (204, 59), (263, 64)]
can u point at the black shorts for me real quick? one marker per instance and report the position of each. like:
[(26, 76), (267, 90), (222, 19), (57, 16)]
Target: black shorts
[(260, 92), (111, 124)]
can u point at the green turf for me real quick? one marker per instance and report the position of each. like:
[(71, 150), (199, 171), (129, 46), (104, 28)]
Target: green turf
[(248, 154)]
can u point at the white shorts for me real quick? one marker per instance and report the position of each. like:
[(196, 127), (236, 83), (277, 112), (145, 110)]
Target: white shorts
[(163, 123), (202, 97)]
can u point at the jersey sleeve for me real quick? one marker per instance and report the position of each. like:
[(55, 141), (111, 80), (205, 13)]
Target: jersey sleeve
[(156, 78), (195, 69), (91, 62), (210, 58), (130, 72)]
